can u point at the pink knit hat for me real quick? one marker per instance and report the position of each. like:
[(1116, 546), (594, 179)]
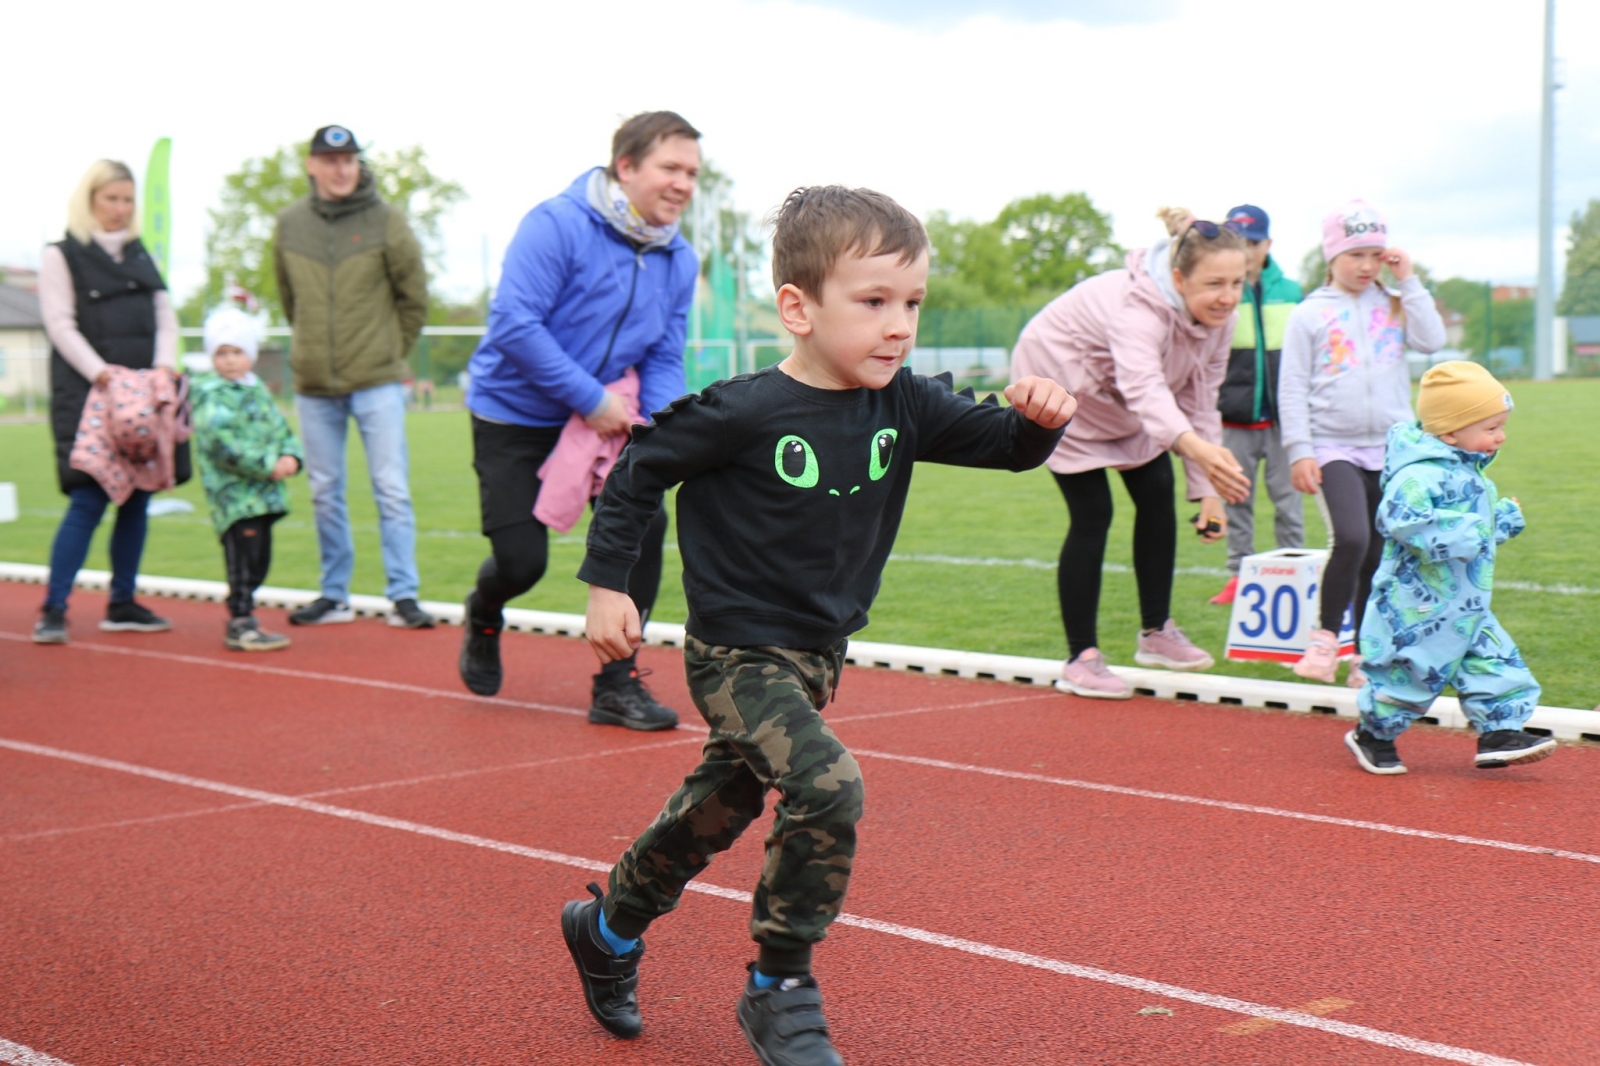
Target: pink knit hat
[(1355, 225)]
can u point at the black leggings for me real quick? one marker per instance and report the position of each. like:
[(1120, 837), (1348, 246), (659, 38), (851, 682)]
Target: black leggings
[(247, 551), (1350, 498), (1083, 554)]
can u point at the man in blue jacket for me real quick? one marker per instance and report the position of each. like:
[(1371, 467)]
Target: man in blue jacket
[(596, 281)]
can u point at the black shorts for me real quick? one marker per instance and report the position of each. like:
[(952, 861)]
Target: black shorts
[(507, 459)]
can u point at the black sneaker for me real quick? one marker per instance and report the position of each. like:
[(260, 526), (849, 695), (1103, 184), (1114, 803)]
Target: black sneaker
[(130, 617), (244, 634), (784, 1023), (610, 982), (407, 615), (624, 700), (51, 628), (1375, 756), (1510, 747), (479, 663), (322, 612)]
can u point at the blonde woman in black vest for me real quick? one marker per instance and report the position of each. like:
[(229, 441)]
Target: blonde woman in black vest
[(104, 304)]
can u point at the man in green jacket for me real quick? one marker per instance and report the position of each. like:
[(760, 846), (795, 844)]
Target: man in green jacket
[(352, 282), (1249, 395)]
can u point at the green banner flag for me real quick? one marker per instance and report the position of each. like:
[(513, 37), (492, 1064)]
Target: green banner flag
[(155, 223)]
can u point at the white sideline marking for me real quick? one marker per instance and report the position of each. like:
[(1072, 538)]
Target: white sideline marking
[(1380, 1037), (1018, 775), (21, 1055), (1226, 805)]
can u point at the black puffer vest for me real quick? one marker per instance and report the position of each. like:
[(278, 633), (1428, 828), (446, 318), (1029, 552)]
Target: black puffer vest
[(116, 312)]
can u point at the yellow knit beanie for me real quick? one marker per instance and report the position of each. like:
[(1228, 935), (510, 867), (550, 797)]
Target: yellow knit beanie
[(1456, 394)]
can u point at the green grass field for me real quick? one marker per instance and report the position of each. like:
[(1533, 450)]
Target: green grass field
[(1009, 606)]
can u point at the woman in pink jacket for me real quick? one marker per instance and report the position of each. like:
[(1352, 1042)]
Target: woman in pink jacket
[(1144, 350)]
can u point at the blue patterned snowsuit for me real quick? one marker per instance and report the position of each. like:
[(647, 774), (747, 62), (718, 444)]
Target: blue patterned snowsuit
[(1428, 622)]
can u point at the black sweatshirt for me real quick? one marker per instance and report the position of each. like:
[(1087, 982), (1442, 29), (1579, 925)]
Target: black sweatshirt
[(792, 496)]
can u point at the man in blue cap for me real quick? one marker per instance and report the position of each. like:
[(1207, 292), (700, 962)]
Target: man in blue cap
[(1248, 399)]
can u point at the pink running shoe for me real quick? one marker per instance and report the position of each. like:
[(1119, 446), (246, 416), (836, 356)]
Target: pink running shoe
[(1321, 660), (1357, 679), (1088, 675), (1168, 647)]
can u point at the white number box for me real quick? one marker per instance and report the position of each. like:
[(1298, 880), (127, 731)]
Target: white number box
[(8, 501), (1277, 607)]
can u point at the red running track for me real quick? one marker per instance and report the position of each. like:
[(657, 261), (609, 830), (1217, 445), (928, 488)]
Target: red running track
[(335, 855)]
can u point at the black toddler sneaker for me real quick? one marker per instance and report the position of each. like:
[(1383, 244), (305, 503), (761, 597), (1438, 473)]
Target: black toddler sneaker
[(130, 617), (610, 982), (51, 628), (1375, 756), (479, 663), (784, 1023), (623, 700), (1511, 747)]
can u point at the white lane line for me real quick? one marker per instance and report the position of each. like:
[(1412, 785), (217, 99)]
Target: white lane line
[(1095, 786), (374, 786), (1349, 1030), (22, 1055), (1245, 808)]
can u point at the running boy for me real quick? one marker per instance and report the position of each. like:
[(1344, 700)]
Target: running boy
[(1428, 623), (794, 480), (246, 449)]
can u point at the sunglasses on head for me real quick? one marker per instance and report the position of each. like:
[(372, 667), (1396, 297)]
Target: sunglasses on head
[(1208, 230)]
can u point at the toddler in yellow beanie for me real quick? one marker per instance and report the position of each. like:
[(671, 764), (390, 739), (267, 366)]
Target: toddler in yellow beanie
[(1428, 622)]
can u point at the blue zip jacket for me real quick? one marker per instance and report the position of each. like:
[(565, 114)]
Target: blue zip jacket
[(571, 289)]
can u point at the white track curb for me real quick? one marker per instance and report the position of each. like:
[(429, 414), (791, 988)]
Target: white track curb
[(1564, 722)]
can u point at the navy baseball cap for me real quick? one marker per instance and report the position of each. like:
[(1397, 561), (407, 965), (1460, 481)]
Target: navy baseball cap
[(1249, 222), (332, 139)]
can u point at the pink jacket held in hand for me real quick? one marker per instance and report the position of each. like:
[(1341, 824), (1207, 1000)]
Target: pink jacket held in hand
[(576, 470), (1143, 370)]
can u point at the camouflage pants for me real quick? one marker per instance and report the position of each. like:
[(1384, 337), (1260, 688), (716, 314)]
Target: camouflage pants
[(763, 705)]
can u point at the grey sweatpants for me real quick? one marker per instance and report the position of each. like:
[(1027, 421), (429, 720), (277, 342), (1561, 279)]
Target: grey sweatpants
[(1252, 447)]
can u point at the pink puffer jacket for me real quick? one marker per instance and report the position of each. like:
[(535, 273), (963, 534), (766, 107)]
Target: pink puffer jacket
[(1143, 371), (129, 430)]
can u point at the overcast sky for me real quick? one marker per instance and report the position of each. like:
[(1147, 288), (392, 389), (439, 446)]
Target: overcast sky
[(1427, 108)]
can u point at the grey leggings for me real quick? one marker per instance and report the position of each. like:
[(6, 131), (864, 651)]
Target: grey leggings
[(1349, 501)]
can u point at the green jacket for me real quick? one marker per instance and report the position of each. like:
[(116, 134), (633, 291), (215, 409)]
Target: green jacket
[(239, 434), (1249, 393), (352, 282)]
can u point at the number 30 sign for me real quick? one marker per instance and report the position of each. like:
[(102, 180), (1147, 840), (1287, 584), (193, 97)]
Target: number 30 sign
[(1277, 606)]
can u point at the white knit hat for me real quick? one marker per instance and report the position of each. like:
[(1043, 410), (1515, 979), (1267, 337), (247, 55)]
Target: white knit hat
[(229, 325)]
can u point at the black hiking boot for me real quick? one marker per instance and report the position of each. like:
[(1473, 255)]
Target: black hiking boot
[(624, 700)]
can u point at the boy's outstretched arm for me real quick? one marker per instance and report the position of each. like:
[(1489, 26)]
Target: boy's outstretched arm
[(612, 625), (1042, 401)]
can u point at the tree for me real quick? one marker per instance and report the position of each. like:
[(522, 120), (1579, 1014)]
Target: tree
[(1508, 323), (1581, 293), (1035, 249), (239, 239)]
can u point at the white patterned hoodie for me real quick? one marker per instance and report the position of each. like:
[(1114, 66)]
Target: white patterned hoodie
[(1344, 378)]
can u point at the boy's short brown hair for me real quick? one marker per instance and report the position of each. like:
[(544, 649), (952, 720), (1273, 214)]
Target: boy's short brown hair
[(817, 226), (638, 137)]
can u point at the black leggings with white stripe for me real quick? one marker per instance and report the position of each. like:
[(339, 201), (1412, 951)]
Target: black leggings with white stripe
[(247, 550)]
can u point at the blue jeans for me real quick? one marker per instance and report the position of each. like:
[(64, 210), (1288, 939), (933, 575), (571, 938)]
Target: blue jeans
[(85, 507), (380, 414)]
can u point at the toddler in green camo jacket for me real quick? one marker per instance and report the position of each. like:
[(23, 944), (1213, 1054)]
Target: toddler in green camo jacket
[(246, 449)]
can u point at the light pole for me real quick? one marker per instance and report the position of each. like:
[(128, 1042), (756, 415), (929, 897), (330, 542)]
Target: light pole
[(1545, 305)]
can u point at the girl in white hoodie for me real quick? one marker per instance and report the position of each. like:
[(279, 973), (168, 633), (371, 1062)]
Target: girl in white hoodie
[(1343, 383)]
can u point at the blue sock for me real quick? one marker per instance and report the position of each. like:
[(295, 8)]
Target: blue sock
[(761, 980), (617, 944)]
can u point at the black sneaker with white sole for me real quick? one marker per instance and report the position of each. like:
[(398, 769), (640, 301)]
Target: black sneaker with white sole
[(245, 634), (1511, 747), (479, 663), (322, 612), (1375, 756), (623, 699), (610, 981), (407, 615), (130, 617), (51, 628), (785, 1024)]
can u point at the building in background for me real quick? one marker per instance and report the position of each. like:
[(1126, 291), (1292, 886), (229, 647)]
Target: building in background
[(24, 348)]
